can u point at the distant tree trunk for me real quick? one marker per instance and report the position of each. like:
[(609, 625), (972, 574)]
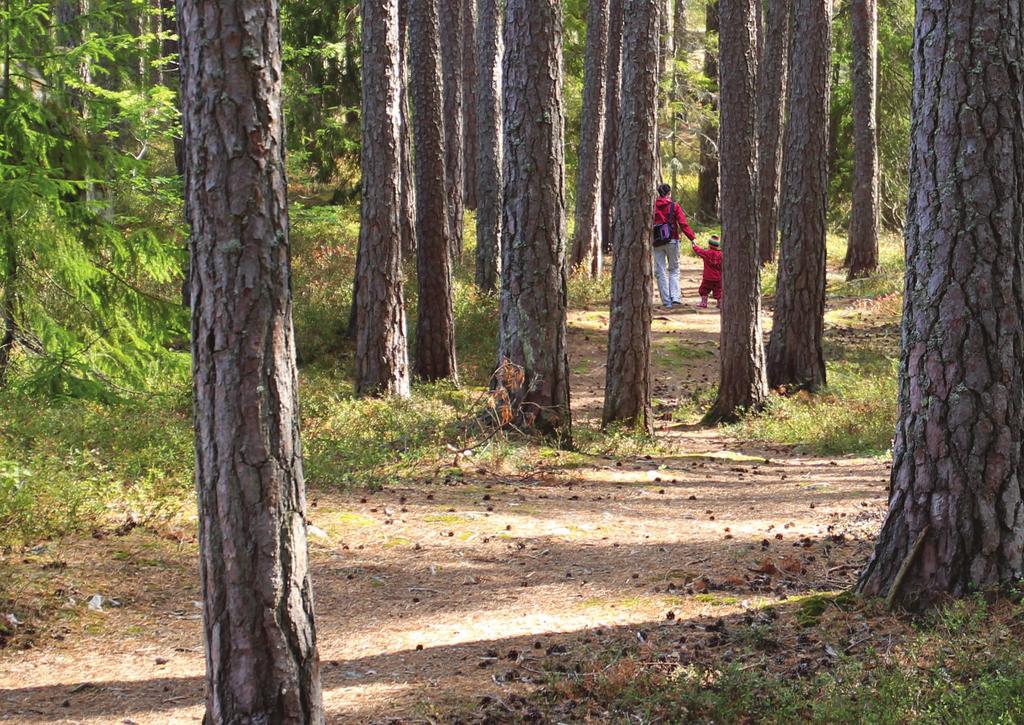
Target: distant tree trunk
[(771, 113), (489, 144), (435, 314), (469, 106), (956, 521), (680, 29), (609, 163), (795, 357), (742, 386), (451, 64), (586, 247), (667, 51), (382, 355), (862, 250), (407, 200), (261, 653), (10, 303), (707, 181), (627, 396), (532, 330)]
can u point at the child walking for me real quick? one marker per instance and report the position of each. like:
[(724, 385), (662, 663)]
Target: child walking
[(711, 282)]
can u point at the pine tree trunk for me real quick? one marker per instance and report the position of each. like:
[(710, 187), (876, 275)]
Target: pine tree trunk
[(795, 357), (382, 357), (667, 51), (862, 250), (469, 105), (407, 199), (707, 181), (435, 314), (609, 163), (261, 653), (10, 303), (489, 141), (586, 247), (680, 29), (771, 112), (627, 396), (451, 65), (532, 329), (742, 386), (957, 458)]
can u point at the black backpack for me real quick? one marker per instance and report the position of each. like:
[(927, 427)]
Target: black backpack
[(663, 232)]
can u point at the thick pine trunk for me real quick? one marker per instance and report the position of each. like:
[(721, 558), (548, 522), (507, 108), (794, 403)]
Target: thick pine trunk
[(435, 314), (382, 357), (612, 97), (957, 458), (261, 656), (586, 247), (532, 330), (407, 200), (489, 145), (469, 105), (627, 396), (707, 180), (451, 65), (742, 386), (771, 113), (862, 249), (795, 357)]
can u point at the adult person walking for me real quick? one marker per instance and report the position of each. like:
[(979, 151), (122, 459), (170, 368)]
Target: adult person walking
[(669, 222)]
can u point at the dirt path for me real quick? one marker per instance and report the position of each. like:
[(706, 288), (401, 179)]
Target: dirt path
[(431, 597)]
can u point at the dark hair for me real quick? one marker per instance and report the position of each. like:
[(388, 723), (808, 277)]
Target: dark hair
[(664, 190)]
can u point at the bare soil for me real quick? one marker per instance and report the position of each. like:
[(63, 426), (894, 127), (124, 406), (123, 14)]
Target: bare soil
[(432, 596)]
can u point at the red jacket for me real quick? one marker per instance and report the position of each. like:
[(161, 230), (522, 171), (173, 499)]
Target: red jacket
[(712, 263), (666, 210)]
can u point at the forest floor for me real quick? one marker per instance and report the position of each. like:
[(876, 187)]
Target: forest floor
[(441, 599)]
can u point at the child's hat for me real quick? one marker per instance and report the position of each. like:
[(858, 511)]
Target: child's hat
[(715, 241)]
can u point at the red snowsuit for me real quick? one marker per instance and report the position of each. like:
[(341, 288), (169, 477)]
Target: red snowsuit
[(711, 282), (666, 210)]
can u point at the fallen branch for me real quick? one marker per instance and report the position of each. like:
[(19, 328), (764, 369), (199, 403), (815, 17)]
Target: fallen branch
[(905, 567)]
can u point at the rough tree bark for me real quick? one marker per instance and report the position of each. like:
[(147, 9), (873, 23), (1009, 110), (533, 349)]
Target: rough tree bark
[(489, 145), (451, 69), (667, 51), (407, 202), (469, 105), (586, 247), (742, 386), (771, 113), (435, 314), (261, 658), (957, 458), (680, 29), (707, 180), (795, 357), (532, 329), (612, 96), (627, 396), (382, 355), (862, 249)]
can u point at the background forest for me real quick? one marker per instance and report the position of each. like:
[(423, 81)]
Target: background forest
[(96, 399)]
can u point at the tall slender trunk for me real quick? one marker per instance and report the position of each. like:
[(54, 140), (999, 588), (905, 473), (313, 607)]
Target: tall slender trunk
[(382, 357), (742, 386), (469, 105), (707, 181), (451, 64), (795, 357), (586, 247), (489, 145), (532, 329), (627, 396), (680, 28), (10, 302), (956, 519), (261, 656), (609, 164), (862, 249), (771, 113), (407, 203), (435, 314)]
